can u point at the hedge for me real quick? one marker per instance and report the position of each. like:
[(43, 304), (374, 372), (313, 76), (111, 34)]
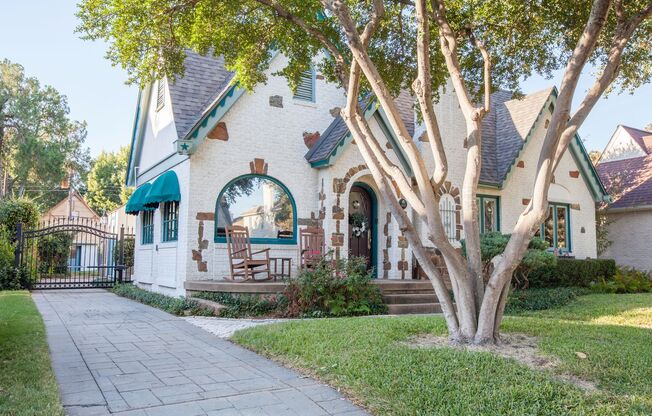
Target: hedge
[(538, 299), (573, 273)]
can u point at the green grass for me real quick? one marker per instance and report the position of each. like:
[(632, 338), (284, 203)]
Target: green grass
[(365, 357), (27, 384)]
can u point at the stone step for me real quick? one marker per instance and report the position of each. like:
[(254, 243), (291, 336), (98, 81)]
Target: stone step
[(414, 308), (409, 298), (404, 286)]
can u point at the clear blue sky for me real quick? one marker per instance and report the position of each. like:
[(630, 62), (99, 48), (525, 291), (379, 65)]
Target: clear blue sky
[(39, 34)]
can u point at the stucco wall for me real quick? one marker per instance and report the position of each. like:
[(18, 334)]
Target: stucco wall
[(630, 234)]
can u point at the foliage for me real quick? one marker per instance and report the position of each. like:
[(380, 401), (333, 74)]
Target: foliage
[(27, 383), (14, 211), (129, 248), (245, 305), (537, 299), (176, 306), (343, 289), (573, 273), (106, 181), (39, 144), (54, 252), (368, 359), (626, 280), (11, 278)]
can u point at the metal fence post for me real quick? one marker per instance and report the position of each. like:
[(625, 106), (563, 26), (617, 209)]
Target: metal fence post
[(121, 257), (19, 243)]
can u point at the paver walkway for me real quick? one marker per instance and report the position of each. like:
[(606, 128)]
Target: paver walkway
[(114, 356)]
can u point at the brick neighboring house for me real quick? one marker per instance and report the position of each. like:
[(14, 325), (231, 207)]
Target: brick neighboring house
[(279, 161), (626, 170)]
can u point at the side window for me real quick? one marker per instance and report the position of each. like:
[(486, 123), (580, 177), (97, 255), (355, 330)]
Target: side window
[(306, 88), (448, 216), (488, 213), (160, 94), (556, 228), (170, 225), (147, 234)]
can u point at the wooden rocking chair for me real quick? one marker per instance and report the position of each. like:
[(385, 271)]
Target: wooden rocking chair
[(312, 246), (241, 258)]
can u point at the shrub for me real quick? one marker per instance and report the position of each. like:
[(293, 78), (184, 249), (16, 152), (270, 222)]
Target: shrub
[(626, 280), (573, 273), (14, 211), (340, 289), (11, 278), (536, 299), (129, 247), (54, 252), (177, 306), (245, 305)]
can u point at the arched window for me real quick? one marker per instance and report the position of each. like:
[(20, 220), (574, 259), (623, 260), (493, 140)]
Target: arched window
[(448, 216), (261, 203)]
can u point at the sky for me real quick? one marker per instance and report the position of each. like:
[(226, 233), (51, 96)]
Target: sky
[(39, 34)]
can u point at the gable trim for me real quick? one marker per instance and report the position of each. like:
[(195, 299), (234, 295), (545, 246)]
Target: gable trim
[(136, 135)]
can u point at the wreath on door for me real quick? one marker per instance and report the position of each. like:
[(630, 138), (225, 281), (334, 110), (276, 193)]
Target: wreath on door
[(359, 224)]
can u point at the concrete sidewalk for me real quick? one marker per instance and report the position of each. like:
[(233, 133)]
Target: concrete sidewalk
[(114, 356)]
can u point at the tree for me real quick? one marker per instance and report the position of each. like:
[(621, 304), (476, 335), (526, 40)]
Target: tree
[(105, 183), (381, 46), (39, 144)]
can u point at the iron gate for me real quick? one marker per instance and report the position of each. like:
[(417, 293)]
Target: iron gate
[(74, 253)]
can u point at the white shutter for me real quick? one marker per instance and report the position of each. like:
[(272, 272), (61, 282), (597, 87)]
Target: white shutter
[(306, 88)]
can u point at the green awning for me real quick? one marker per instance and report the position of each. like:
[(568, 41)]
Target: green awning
[(164, 189), (136, 202)]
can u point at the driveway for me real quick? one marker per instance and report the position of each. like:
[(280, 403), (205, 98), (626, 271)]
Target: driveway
[(114, 356)]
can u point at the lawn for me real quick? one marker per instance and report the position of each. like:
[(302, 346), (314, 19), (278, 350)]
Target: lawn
[(366, 357), (27, 384)]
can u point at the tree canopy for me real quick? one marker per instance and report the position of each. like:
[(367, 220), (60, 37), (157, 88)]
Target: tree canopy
[(105, 189)]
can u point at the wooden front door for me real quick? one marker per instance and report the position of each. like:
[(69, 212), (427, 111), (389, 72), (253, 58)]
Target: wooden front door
[(361, 222)]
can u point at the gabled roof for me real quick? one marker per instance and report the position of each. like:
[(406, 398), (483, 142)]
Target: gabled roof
[(78, 197), (629, 181)]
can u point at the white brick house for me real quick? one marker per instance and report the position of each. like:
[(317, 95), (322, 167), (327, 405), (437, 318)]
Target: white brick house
[(232, 151)]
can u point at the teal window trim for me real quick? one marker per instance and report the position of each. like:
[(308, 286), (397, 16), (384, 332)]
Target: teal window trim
[(313, 83), (569, 240), (170, 221), (481, 199), (275, 241), (147, 227)]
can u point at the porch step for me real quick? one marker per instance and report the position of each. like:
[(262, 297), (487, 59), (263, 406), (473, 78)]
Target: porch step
[(409, 298), (404, 286), (403, 309)]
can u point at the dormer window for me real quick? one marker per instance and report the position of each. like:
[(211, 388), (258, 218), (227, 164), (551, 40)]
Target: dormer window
[(160, 94), (306, 88)]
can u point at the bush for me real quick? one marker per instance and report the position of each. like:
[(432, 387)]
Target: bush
[(246, 305), (14, 211), (626, 280), (177, 306), (573, 273), (54, 253), (11, 278), (342, 289), (541, 298), (129, 247)]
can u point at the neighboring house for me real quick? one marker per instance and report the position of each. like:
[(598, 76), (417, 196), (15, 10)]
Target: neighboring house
[(626, 170), (114, 221), (85, 250), (211, 155)]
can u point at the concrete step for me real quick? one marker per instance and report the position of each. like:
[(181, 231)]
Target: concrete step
[(409, 298), (403, 309), (404, 286)]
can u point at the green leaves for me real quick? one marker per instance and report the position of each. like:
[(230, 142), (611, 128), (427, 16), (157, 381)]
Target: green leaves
[(106, 181)]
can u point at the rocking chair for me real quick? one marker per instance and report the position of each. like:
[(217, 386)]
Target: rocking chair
[(312, 246), (241, 258)]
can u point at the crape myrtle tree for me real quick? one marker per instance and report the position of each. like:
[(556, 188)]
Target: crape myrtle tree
[(379, 47)]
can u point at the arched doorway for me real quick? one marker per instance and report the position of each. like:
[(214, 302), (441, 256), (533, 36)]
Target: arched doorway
[(363, 223)]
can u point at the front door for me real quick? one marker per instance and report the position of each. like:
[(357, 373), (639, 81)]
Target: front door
[(361, 223)]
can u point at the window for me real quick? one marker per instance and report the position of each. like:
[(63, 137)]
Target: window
[(306, 88), (170, 221), (556, 228), (160, 94), (488, 213), (449, 216), (147, 219), (260, 203)]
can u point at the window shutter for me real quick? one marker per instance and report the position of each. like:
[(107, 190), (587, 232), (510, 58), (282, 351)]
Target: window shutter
[(160, 97), (306, 88)]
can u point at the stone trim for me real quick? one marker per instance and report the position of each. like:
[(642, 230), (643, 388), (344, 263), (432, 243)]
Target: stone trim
[(258, 166), (219, 132), (339, 187), (387, 265), (202, 244)]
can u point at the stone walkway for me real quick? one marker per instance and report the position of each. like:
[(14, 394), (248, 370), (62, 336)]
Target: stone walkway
[(114, 356)]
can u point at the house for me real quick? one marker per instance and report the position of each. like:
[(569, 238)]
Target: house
[(116, 221), (73, 209), (626, 170), (207, 154)]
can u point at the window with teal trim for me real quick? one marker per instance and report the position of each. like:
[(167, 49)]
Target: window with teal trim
[(147, 227), (488, 213), (262, 204), (170, 225), (306, 88), (556, 228)]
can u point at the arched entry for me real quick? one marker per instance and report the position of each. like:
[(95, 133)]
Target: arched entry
[(363, 223)]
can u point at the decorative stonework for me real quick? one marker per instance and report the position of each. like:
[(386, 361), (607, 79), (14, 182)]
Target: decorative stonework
[(520, 164), (276, 101), (309, 139), (335, 111), (205, 216), (202, 244), (574, 173), (525, 201), (339, 187), (387, 265), (258, 166), (219, 132), (448, 188), (575, 207)]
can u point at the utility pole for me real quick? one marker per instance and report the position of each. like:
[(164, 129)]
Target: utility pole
[(70, 192)]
